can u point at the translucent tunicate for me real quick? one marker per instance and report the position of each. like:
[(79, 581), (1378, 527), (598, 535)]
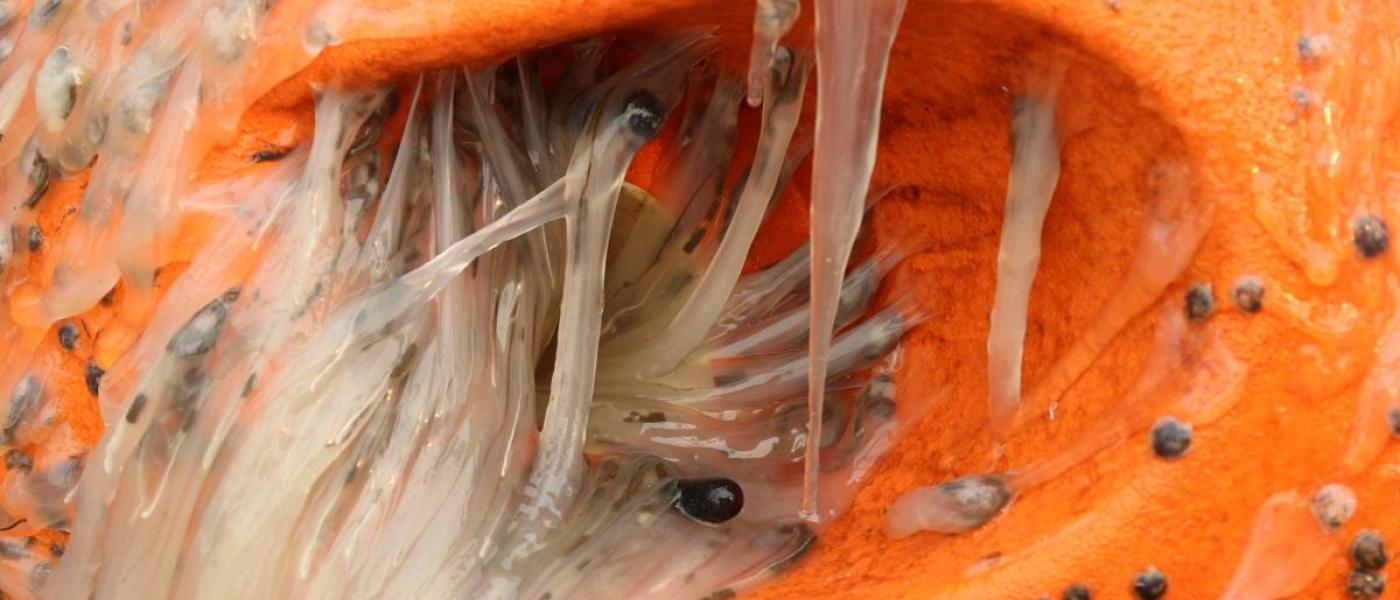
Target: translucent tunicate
[(1035, 170), (853, 46), (953, 507)]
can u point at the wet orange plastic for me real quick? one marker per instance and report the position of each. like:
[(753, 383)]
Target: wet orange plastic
[(1202, 82)]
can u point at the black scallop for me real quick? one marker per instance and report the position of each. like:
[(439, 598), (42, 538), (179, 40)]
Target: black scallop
[(1077, 591), (1200, 302), (1150, 584), (644, 114), (1368, 551), (92, 376), (68, 336), (710, 500), (1370, 235), (1170, 438), (1363, 584)]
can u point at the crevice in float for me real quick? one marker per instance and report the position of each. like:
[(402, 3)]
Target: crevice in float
[(348, 369), (1171, 235)]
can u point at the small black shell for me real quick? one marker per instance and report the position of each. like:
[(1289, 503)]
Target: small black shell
[(1200, 302), (1249, 294), (644, 114), (1370, 235), (1362, 584), (1170, 438), (1077, 591), (1150, 584), (710, 500), (68, 336), (1368, 551), (92, 375)]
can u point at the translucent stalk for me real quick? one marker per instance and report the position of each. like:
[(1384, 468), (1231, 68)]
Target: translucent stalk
[(1035, 169), (853, 45)]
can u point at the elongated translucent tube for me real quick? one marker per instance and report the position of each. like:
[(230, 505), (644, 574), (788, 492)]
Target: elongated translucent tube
[(853, 46), (1035, 169)]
